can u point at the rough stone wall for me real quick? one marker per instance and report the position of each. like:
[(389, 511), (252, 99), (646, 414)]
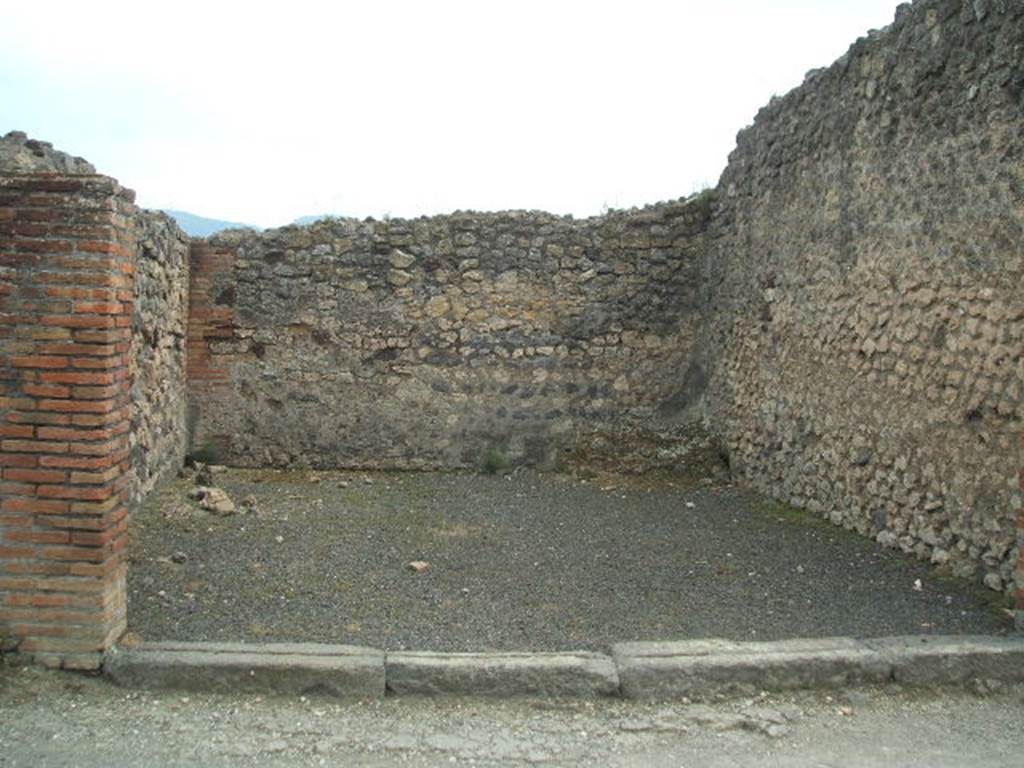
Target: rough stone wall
[(159, 394), (440, 342), (21, 155), (864, 289)]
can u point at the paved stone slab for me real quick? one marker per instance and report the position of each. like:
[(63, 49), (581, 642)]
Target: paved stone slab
[(701, 668), (944, 660), (502, 674), (338, 670), (290, 649)]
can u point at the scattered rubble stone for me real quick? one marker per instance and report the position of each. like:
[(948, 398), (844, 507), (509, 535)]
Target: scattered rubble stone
[(214, 500)]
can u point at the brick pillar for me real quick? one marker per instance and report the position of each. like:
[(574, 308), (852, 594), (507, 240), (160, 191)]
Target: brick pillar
[(67, 259), (1019, 576), (211, 321)]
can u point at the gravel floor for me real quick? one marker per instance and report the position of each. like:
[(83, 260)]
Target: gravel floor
[(526, 562)]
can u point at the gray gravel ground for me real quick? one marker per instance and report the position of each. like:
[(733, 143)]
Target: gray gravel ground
[(524, 562), (50, 719)]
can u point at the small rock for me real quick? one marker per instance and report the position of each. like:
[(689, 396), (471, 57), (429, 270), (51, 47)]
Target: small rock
[(343, 483), (401, 259), (994, 581), (887, 538), (918, 587), (418, 566), (249, 502), (437, 307), (399, 277), (279, 539), (217, 501), (179, 558)]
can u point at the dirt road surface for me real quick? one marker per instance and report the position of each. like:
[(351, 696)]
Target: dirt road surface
[(58, 719)]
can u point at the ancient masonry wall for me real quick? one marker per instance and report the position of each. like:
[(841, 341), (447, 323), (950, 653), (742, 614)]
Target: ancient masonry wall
[(92, 414), (158, 436), (845, 312), (66, 295), (440, 342), (865, 311), (1019, 576)]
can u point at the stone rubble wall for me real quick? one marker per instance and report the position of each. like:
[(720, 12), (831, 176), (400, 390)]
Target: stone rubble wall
[(865, 289), (158, 438), (21, 155), (441, 342)]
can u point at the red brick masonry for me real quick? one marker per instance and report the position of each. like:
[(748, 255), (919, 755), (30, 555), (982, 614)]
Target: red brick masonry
[(211, 319), (67, 260), (1019, 577)]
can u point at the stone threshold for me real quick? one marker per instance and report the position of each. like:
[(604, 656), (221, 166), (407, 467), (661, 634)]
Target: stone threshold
[(691, 669)]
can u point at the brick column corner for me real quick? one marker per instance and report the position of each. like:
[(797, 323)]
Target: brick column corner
[(211, 320), (67, 260), (1019, 576)]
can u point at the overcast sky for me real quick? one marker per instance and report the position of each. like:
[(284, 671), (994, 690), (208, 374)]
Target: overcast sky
[(262, 112)]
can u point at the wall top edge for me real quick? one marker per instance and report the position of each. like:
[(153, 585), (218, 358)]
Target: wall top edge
[(92, 184)]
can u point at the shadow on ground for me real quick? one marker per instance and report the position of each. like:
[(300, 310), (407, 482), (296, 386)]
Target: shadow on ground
[(526, 562)]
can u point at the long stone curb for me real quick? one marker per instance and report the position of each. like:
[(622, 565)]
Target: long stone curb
[(502, 674), (702, 668), (290, 668), (693, 669)]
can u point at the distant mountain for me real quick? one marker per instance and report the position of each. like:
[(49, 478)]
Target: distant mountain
[(200, 226)]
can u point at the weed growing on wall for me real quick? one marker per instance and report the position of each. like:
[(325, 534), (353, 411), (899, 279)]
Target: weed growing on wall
[(495, 461)]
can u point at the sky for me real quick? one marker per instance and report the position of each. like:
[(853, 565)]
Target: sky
[(261, 112)]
